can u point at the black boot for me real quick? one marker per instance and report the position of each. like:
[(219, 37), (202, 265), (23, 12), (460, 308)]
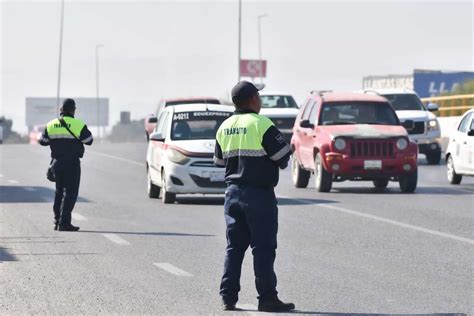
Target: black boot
[(275, 305), (228, 307), (68, 228)]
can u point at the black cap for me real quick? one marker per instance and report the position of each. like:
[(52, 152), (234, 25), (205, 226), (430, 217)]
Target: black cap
[(69, 105), (243, 90)]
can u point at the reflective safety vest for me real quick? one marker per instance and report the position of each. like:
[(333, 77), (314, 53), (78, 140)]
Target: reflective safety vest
[(252, 149), (57, 131), (242, 135)]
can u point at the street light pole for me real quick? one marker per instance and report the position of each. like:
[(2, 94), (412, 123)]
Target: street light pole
[(260, 47), (240, 37), (97, 85), (60, 55)]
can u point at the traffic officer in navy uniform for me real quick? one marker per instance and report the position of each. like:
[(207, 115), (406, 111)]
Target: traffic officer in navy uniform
[(252, 150), (67, 147)]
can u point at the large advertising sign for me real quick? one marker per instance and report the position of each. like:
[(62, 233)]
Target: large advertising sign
[(434, 83), (40, 111)]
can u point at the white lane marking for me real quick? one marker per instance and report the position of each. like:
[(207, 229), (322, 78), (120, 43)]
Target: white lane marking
[(30, 189), (116, 239), (172, 269), (389, 221), (118, 158), (13, 181), (78, 217)]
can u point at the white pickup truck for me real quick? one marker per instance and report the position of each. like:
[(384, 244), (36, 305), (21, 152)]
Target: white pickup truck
[(425, 130), (282, 109)]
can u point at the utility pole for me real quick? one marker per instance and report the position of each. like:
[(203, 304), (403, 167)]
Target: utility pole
[(259, 18), (60, 55), (97, 86), (240, 36)]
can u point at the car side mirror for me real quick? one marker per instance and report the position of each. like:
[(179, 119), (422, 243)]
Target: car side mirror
[(470, 133), (432, 107), (306, 124), (152, 119), (157, 136), (409, 125)]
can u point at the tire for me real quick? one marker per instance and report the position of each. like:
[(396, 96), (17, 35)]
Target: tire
[(323, 179), (453, 177), (152, 189), (299, 176), (167, 197), (433, 157), (380, 183), (408, 182)]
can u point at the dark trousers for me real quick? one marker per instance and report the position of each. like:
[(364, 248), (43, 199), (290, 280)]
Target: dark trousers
[(68, 177), (251, 216)]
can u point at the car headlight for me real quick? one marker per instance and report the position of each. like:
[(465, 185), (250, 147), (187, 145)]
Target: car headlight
[(402, 144), (176, 156), (433, 125), (340, 144)]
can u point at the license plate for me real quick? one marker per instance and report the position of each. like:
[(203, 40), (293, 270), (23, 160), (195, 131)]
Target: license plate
[(373, 164), (217, 176)]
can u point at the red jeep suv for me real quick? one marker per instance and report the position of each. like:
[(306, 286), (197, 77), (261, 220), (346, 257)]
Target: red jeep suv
[(350, 136)]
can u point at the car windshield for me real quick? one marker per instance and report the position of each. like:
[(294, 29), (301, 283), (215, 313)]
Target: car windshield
[(358, 112), (278, 101), (197, 125), (405, 102)]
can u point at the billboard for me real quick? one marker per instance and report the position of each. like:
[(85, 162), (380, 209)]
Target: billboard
[(388, 82), (40, 111), (434, 83), (253, 68)]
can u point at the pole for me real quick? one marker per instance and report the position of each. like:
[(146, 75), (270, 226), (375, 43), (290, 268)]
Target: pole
[(60, 55), (240, 36), (97, 86), (260, 47)]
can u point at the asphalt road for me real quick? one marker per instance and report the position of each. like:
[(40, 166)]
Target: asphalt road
[(351, 251)]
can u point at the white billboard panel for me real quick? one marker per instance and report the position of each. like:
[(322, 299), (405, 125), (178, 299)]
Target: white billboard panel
[(40, 111)]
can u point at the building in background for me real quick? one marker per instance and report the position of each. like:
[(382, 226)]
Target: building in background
[(426, 83), (40, 111)]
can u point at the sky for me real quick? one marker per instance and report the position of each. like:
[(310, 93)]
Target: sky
[(161, 49)]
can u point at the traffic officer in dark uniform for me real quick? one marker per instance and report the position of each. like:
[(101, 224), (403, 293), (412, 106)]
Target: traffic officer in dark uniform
[(67, 147), (252, 150)]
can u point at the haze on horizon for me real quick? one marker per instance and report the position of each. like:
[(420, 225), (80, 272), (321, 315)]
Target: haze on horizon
[(159, 49)]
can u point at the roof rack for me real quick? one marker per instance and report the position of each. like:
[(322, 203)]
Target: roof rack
[(320, 92)]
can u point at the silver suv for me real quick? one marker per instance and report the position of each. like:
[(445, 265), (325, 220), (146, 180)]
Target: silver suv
[(425, 130)]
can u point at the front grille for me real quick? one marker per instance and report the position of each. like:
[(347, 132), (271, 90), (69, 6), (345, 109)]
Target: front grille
[(372, 149), (207, 183), (283, 123), (208, 163), (419, 128)]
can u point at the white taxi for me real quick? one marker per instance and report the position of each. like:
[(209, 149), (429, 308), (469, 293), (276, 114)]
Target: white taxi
[(460, 151), (180, 151)]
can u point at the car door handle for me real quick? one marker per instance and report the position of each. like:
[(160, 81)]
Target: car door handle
[(465, 143), (305, 134)]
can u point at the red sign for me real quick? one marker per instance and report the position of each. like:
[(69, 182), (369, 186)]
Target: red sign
[(253, 68)]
